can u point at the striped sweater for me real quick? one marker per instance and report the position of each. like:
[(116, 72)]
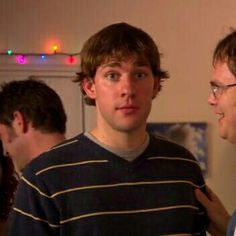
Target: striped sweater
[(80, 188)]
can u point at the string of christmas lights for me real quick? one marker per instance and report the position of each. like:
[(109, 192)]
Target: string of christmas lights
[(21, 58)]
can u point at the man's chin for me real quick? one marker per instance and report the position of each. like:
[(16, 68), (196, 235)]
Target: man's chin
[(230, 138), (223, 135)]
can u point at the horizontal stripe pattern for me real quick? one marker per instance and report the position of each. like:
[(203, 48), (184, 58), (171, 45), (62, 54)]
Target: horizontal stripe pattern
[(110, 186), (71, 164), (127, 212), (174, 159), (92, 190), (34, 217), (104, 213)]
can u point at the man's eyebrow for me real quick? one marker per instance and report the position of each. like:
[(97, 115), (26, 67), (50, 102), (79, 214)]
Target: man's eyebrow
[(212, 82), (215, 83), (111, 64), (138, 63)]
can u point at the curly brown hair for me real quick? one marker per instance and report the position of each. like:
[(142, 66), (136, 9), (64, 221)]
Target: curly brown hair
[(8, 183)]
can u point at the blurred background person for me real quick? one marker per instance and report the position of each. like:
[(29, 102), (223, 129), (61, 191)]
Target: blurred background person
[(8, 183), (32, 120)]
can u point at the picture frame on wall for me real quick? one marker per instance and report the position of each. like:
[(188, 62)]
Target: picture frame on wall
[(191, 135)]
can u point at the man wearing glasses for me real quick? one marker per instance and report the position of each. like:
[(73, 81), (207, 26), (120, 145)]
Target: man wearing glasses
[(223, 100)]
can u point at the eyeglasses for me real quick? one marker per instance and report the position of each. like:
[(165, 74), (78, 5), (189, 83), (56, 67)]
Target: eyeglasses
[(217, 90)]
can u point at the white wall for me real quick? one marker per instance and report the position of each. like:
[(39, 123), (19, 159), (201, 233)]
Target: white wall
[(186, 32)]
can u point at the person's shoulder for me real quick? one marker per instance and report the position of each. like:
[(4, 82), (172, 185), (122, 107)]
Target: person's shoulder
[(166, 150), (163, 142), (62, 153), (169, 148)]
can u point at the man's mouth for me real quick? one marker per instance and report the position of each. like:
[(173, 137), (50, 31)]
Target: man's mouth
[(129, 109), (221, 116)]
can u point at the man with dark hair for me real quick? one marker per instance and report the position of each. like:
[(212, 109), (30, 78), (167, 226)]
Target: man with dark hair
[(116, 179), (32, 120), (223, 100)]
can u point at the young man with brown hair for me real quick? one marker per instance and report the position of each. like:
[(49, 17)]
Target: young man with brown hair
[(115, 179)]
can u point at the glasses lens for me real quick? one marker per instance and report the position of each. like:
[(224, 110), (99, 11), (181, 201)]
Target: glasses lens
[(214, 89)]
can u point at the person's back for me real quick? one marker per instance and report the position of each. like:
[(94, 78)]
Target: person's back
[(32, 120)]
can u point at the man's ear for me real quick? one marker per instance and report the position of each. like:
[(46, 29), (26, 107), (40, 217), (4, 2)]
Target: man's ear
[(88, 86), (19, 122), (156, 87)]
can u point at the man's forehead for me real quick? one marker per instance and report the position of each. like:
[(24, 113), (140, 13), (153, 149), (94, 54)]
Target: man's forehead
[(117, 61), (221, 73), (220, 68)]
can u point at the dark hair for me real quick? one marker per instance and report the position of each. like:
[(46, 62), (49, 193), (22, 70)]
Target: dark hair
[(225, 51), (8, 183), (38, 103), (118, 41)]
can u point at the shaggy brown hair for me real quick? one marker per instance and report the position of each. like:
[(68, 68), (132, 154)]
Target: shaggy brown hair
[(118, 41)]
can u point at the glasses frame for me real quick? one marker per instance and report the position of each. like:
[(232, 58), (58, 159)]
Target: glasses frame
[(219, 89)]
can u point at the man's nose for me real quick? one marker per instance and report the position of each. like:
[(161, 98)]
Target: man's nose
[(128, 86), (212, 100)]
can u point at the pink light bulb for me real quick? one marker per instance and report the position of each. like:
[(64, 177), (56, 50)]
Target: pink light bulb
[(21, 59)]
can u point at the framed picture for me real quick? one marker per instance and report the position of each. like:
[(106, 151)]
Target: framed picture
[(191, 135)]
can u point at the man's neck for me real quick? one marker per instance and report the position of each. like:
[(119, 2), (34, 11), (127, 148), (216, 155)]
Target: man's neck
[(43, 142), (37, 143), (120, 140)]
